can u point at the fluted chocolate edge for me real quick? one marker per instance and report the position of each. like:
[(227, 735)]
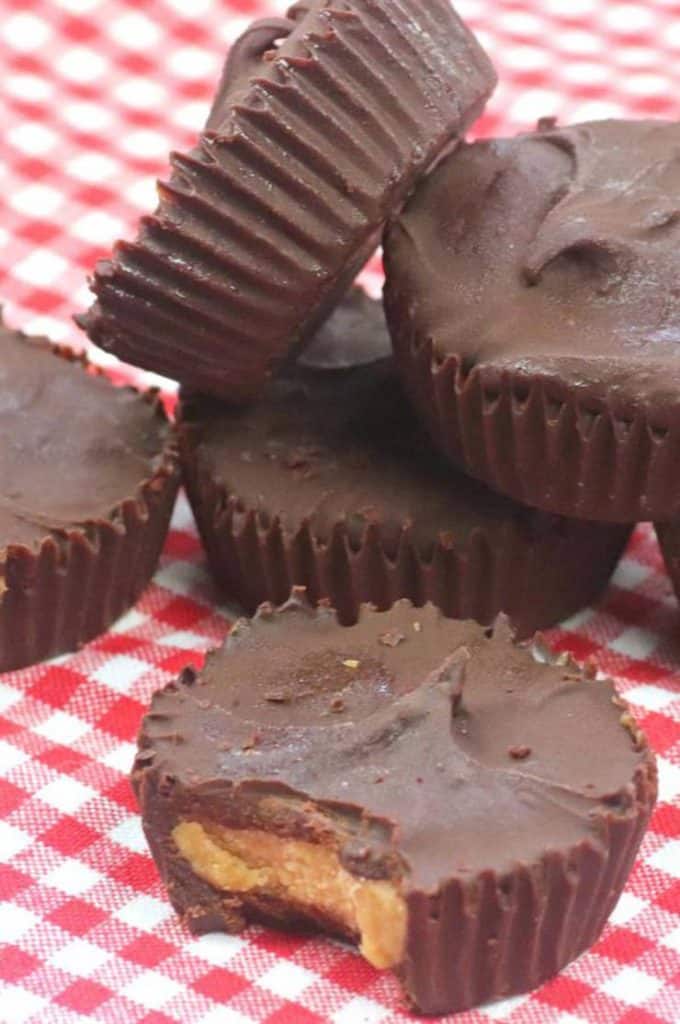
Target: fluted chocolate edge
[(531, 438), (499, 936), (263, 226), (73, 584), (536, 580)]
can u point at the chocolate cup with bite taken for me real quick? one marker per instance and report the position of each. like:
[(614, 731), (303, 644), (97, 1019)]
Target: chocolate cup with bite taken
[(420, 786)]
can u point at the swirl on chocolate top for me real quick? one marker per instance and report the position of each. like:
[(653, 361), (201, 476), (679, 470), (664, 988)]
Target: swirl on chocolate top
[(554, 254)]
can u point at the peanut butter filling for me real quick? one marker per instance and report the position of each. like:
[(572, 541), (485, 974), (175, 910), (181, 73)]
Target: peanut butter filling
[(304, 875)]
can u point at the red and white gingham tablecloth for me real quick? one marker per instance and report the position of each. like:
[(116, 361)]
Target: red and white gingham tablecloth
[(93, 95)]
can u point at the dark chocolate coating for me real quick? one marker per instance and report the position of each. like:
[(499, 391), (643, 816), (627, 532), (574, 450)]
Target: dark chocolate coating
[(309, 149), (331, 483), (668, 535), (505, 797), (354, 335), (88, 477), (534, 295)]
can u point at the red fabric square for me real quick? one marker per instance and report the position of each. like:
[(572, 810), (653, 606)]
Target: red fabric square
[(16, 964), (12, 882), (147, 951), (63, 759), (623, 945), (293, 1014), (122, 718), (63, 683), (83, 996), (564, 993), (11, 797), (70, 836), (77, 916), (220, 984)]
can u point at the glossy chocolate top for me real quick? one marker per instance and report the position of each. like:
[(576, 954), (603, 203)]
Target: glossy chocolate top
[(74, 447), (554, 254), (453, 748), (333, 447)]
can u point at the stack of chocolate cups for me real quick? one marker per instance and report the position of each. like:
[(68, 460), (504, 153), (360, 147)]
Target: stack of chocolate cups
[(485, 450)]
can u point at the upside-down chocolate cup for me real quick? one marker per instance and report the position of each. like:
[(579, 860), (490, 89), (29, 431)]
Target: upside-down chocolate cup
[(417, 785), (310, 147), (531, 292), (88, 477), (331, 483)]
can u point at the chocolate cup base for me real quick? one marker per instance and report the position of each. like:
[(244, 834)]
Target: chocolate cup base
[(76, 584), (537, 583)]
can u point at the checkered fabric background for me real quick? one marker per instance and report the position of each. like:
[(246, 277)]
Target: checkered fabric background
[(93, 94)]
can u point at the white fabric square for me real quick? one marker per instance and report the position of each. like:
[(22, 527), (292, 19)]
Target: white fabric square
[(667, 858), (632, 986), (10, 757), (80, 958), (66, 794), (16, 921), (121, 672), (287, 980), (130, 835), (12, 842), (63, 728), (360, 1011), (73, 877), (152, 989), (144, 912)]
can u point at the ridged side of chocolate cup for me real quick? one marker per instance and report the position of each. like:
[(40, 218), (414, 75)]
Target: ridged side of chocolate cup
[(536, 581), (75, 583), (263, 226), (473, 939), (500, 936), (530, 438)]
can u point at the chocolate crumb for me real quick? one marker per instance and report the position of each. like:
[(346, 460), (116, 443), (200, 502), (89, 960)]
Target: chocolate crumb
[(519, 753), (392, 638), (278, 697), (337, 705), (167, 784)]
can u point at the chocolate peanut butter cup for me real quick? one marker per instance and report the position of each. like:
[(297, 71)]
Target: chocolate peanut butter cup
[(88, 478), (417, 785), (533, 293), (323, 124), (330, 482)]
